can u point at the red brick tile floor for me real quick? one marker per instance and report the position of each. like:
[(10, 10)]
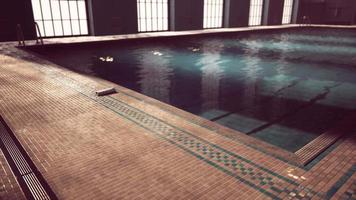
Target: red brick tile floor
[(128, 146)]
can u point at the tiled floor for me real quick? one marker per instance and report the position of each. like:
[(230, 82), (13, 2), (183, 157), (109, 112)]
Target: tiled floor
[(128, 146)]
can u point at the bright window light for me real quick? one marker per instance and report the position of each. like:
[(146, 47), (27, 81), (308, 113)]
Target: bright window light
[(287, 11), (255, 16), (152, 15), (57, 18), (213, 13)]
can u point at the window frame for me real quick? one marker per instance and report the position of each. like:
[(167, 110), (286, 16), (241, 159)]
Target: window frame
[(213, 17), (150, 31), (41, 22), (262, 14), (290, 16)]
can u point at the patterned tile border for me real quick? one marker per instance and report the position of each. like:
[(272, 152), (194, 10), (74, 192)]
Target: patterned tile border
[(192, 121), (350, 193), (330, 193), (307, 166)]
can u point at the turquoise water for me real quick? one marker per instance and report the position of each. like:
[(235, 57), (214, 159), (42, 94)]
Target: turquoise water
[(283, 87)]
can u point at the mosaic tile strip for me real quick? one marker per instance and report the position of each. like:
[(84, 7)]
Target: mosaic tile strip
[(330, 193), (294, 163), (350, 193)]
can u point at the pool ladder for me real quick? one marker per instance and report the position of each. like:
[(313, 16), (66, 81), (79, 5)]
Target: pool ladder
[(39, 39), (306, 20), (21, 37)]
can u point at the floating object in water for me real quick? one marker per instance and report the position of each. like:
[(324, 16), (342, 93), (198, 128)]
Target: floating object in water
[(106, 91), (107, 59), (193, 49), (157, 53)]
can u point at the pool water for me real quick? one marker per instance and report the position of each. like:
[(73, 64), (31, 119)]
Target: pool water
[(284, 87)]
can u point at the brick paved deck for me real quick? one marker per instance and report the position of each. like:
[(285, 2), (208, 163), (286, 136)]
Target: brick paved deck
[(128, 146)]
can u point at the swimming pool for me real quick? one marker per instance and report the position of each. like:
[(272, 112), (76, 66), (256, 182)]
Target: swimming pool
[(285, 87)]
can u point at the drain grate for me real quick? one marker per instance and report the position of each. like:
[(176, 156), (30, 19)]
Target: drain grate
[(324, 141), (30, 180)]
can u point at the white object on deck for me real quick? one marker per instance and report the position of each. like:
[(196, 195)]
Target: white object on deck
[(106, 91)]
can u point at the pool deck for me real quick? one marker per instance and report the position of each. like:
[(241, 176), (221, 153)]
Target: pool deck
[(130, 146)]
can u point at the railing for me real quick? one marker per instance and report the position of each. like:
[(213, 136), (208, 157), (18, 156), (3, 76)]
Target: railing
[(39, 39), (20, 36), (306, 21)]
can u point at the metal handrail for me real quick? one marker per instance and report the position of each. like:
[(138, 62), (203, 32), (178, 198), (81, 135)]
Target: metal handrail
[(20, 36), (39, 39), (306, 20)]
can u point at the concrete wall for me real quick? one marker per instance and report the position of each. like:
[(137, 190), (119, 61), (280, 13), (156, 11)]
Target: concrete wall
[(238, 13), (13, 12), (339, 11), (295, 11), (110, 17), (186, 14), (275, 12), (313, 10), (354, 15), (327, 11)]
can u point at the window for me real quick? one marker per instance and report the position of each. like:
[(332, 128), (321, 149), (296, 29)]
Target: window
[(287, 11), (255, 16), (213, 13), (152, 15), (57, 18)]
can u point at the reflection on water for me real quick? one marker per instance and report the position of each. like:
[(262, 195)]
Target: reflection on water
[(154, 72), (242, 81), (251, 71), (212, 73)]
